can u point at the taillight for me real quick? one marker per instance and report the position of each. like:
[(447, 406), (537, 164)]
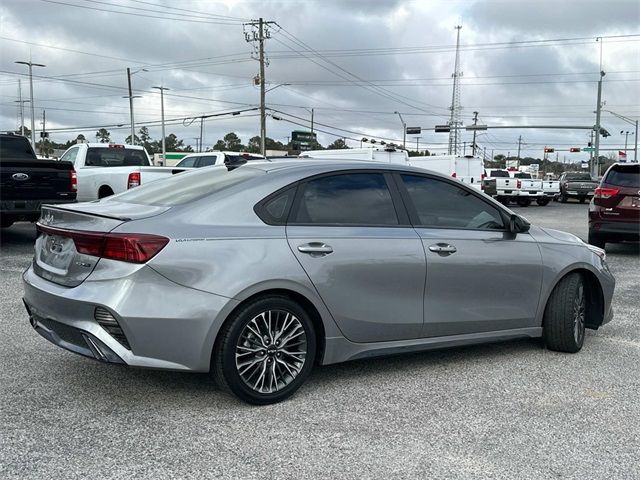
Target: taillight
[(73, 181), (133, 180), (605, 192), (483, 176), (518, 184), (126, 247), (454, 175)]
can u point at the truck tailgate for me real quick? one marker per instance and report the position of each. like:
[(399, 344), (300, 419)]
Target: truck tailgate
[(36, 180)]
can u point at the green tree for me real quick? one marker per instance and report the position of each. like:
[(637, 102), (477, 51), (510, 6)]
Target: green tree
[(136, 140), (233, 142), (253, 145), (80, 138), (103, 135), (339, 144), (173, 144), (220, 145), (27, 132)]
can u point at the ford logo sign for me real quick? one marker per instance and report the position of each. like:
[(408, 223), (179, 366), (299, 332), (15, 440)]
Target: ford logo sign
[(20, 177)]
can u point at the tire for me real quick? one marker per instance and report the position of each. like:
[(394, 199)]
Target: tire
[(563, 198), (542, 201), (596, 240), (565, 315), (286, 371), (582, 199), (523, 202)]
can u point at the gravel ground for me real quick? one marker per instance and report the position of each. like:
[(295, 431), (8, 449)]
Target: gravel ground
[(508, 410)]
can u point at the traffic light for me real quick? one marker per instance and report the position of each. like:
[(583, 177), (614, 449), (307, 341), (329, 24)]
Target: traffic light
[(590, 144), (549, 150), (574, 149)]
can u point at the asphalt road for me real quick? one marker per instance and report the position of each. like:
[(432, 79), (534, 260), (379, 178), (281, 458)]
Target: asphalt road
[(508, 410)]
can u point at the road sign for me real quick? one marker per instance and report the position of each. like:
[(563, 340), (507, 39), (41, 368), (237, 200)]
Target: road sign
[(302, 140), (585, 165), (414, 130), (588, 149), (442, 128)]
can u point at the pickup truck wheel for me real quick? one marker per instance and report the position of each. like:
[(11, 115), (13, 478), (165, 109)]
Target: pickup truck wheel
[(523, 202), (565, 314), (563, 198), (582, 199), (596, 240), (542, 201), (105, 192)]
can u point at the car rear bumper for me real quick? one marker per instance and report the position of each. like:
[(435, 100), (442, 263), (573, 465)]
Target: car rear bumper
[(624, 230), (165, 325), (532, 193), (579, 193)]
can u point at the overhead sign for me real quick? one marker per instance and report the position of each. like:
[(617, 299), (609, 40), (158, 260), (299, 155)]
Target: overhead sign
[(476, 127), (442, 128), (302, 140), (414, 130), (588, 149), (585, 165)]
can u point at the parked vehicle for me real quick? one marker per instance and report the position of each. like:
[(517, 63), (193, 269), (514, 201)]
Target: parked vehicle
[(578, 185), (614, 211), (259, 272), (106, 168), (26, 182), (468, 169), (507, 186), (207, 159), (551, 190), (529, 189)]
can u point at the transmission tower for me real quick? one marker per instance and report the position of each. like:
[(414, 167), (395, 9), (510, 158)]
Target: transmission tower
[(454, 121)]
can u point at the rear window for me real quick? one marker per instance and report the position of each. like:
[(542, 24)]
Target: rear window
[(185, 187), (624, 176), (500, 174), (521, 175), (578, 176), (15, 148), (115, 157)]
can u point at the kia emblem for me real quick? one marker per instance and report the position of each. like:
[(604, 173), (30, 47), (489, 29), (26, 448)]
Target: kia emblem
[(20, 177)]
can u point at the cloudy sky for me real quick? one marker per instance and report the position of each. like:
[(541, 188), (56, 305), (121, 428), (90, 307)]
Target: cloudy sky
[(354, 62)]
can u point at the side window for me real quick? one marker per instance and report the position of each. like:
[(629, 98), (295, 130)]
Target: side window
[(346, 199), (70, 155), (275, 210), (207, 161), (444, 205), (187, 162)]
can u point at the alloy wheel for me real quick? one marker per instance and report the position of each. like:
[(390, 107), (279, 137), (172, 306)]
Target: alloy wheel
[(579, 315), (271, 351)]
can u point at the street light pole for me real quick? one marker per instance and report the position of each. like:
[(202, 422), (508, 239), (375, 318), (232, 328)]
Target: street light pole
[(131, 97), (33, 123), (404, 131), (635, 124), (595, 168), (164, 149)]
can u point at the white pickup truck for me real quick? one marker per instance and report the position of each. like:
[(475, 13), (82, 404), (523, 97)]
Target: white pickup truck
[(529, 189), (508, 185), (105, 168)]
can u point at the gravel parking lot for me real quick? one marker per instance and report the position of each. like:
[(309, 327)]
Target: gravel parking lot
[(508, 410)]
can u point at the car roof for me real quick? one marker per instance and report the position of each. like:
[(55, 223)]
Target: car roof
[(213, 152)]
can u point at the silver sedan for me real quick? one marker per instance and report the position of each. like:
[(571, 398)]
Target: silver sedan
[(258, 273)]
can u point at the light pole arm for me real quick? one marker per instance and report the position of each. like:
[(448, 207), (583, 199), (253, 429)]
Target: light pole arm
[(622, 117)]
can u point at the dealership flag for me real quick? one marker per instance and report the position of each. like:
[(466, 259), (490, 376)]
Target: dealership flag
[(622, 155)]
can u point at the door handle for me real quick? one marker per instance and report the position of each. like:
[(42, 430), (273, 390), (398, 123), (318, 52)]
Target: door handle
[(315, 248), (443, 248)]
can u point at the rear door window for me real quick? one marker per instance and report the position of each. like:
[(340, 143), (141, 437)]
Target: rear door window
[(346, 199), (187, 162), (70, 155), (207, 161)]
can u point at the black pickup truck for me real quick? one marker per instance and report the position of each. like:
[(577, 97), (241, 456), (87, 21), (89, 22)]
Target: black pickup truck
[(578, 185), (26, 182)]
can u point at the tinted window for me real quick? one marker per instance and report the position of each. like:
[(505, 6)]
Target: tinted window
[(15, 148), (187, 162), (578, 176), (185, 187), (276, 209), (348, 199), (521, 175), (624, 176), (500, 174), (115, 157), (441, 204), (207, 161)]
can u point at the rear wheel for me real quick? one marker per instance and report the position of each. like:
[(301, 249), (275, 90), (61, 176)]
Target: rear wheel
[(596, 240), (105, 192), (523, 201), (563, 198), (564, 317), (542, 201), (582, 199), (266, 350)]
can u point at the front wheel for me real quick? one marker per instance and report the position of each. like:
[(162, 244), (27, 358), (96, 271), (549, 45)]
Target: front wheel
[(523, 201), (265, 351), (542, 201), (564, 317)]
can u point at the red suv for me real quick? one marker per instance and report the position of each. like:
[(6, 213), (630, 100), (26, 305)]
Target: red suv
[(614, 212)]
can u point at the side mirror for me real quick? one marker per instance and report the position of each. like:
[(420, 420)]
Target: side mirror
[(518, 224)]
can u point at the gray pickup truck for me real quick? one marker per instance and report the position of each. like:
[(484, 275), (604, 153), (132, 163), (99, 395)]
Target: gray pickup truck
[(26, 182), (578, 185)]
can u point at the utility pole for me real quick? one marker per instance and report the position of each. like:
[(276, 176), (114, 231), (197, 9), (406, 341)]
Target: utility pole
[(131, 107), (597, 126), (475, 122), (484, 154), (454, 120), (417, 148), (33, 115), (312, 122), (21, 107), (404, 131), (44, 130), (164, 149), (201, 133), (260, 36)]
